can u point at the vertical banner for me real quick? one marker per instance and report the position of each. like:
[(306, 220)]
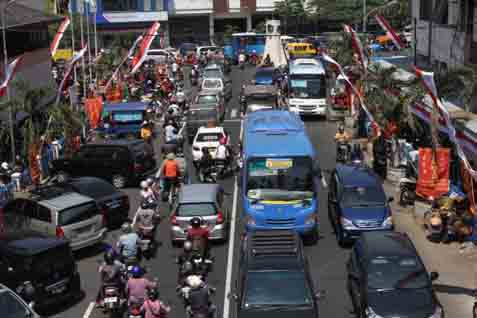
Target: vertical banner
[(433, 177), (468, 185), (94, 108)]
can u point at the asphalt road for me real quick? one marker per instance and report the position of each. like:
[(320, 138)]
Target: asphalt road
[(326, 259)]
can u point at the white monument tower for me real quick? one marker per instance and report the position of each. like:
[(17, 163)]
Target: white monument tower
[(273, 45)]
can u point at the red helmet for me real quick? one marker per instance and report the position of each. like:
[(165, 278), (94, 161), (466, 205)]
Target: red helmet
[(223, 141)]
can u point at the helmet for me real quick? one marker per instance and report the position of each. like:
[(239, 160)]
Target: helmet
[(136, 271), (5, 166), (171, 156), (109, 257), (194, 281), (144, 184), (126, 227), (150, 181), (205, 149), (145, 205), (170, 111), (187, 267), (187, 246), (341, 128), (152, 293), (222, 141), (195, 222)]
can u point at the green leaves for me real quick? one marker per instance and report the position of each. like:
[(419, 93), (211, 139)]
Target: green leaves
[(459, 83)]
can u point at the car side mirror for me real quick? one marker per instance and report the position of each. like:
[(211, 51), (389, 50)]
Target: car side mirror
[(434, 276), (391, 199)]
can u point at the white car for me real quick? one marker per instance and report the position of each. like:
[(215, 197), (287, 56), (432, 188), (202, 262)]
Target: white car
[(204, 49), (159, 56), (206, 137)]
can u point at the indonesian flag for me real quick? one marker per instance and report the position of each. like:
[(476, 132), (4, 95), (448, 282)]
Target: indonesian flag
[(68, 71), (357, 46), (145, 44), (390, 31), (430, 86), (59, 35), (11, 69), (356, 93)]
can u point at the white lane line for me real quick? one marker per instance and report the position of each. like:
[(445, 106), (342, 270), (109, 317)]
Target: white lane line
[(89, 310), (233, 113), (232, 120), (228, 280)]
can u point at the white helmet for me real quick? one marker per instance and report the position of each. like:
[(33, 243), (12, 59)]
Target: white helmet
[(144, 184), (5, 166), (194, 281)]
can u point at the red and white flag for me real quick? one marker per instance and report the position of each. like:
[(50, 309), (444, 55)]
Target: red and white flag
[(11, 70), (145, 44), (68, 71), (356, 93), (357, 46), (390, 31), (59, 35)]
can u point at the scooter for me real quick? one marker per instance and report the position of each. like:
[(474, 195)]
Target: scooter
[(112, 300), (407, 189)]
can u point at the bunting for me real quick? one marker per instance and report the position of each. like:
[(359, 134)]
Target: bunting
[(357, 46), (144, 47), (59, 35), (390, 31), (11, 70), (68, 71)]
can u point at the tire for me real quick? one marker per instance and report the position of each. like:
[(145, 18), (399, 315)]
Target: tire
[(62, 176), (119, 181), (474, 310), (312, 238)]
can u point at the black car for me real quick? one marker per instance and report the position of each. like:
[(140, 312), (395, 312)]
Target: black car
[(274, 280), (113, 203), (387, 278), (121, 162), (44, 263), (198, 116)]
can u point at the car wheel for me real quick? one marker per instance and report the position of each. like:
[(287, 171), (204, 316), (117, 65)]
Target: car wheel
[(312, 238), (62, 176), (119, 181)]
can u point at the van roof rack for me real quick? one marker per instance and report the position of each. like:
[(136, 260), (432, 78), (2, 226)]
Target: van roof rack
[(274, 242)]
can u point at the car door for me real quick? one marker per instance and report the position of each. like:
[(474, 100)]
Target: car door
[(355, 280), (332, 198)]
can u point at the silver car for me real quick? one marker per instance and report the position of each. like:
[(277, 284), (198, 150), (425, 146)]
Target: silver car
[(13, 305), (217, 86), (205, 201)]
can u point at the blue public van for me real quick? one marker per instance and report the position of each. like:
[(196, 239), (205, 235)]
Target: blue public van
[(123, 119), (281, 175), (248, 42)]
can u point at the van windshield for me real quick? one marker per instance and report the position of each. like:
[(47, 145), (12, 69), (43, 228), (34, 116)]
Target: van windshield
[(77, 214), (307, 86), (11, 307)]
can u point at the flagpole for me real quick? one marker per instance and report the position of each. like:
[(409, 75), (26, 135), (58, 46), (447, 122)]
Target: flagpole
[(89, 43), (83, 66), (73, 41)]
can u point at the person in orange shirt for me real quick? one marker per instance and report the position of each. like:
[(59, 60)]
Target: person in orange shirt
[(170, 172)]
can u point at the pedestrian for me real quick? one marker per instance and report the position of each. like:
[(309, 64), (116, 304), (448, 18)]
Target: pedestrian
[(379, 156)]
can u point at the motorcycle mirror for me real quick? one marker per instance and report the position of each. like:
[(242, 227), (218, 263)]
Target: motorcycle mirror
[(234, 296), (320, 295), (391, 199)]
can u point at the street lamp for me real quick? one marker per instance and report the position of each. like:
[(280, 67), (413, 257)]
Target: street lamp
[(5, 62)]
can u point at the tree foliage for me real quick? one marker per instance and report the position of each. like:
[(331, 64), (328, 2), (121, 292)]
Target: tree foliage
[(459, 84)]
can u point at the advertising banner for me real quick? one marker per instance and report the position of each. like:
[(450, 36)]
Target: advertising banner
[(433, 179)]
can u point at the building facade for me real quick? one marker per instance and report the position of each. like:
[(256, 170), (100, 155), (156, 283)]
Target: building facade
[(445, 32), (181, 20)]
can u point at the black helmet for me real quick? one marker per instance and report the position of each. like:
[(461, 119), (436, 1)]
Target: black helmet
[(341, 128), (152, 293), (187, 267), (195, 222), (146, 205), (109, 257)]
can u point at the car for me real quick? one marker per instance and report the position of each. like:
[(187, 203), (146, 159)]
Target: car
[(357, 202), (29, 259), (387, 278), (113, 203), (206, 137), (159, 56), (204, 49), (122, 162), (218, 86), (13, 306), (206, 201), (200, 115), (208, 98), (59, 213), (274, 278), (266, 76), (213, 70), (258, 97)]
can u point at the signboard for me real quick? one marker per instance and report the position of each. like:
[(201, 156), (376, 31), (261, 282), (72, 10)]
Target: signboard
[(130, 16), (433, 176)]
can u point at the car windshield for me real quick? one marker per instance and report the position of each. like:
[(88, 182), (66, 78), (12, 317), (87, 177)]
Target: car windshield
[(262, 287), (396, 272), (212, 84), (265, 74), (207, 99), (209, 137), (196, 209), (285, 174), (11, 307), (265, 100), (308, 86), (202, 114), (127, 116), (95, 189), (212, 73), (77, 214), (363, 196)]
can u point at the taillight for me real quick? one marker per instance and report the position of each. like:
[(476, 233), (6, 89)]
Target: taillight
[(60, 233), (220, 218), (174, 220)]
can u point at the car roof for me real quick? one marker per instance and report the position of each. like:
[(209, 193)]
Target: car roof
[(260, 90), (357, 175), (199, 192), (205, 130), (387, 243), (125, 106), (66, 200), (307, 68), (86, 180), (206, 93), (27, 243)]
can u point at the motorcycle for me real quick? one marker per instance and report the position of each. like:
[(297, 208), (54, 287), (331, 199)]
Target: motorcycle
[(342, 152), (134, 310), (208, 176), (184, 292), (194, 76), (222, 168), (147, 242), (112, 300), (407, 190), (241, 62)]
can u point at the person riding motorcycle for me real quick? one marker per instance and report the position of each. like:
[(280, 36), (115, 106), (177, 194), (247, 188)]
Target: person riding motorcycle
[(171, 133), (222, 152), (241, 58), (128, 242), (199, 297), (254, 57), (170, 172), (110, 275), (137, 286), (199, 236), (153, 307), (380, 156), (146, 216), (205, 163), (342, 138), (187, 254)]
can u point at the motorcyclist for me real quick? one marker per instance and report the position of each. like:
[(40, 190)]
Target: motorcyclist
[(137, 286), (153, 307), (242, 58), (110, 274), (205, 162), (222, 152), (379, 156), (146, 216), (128, 242), (187, 253), (199, 297), (342, 138), (199, 236), (174, 68), (171, 133), (147, 193), (254, 57), (170, 119), (146, 131), (170, 172)]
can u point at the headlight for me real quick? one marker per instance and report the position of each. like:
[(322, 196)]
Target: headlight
[(371, 314), (251, 221), (347, 224), (388, 222), (438, 312), (310, 219)]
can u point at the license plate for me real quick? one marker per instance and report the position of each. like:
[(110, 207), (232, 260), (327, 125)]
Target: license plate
[(111, 300)]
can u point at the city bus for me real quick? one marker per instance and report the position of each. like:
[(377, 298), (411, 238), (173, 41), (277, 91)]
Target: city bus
[(248, 42), (307, 92), (279, 183)]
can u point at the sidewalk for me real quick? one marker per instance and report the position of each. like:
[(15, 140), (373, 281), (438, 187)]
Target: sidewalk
[(458, 274)]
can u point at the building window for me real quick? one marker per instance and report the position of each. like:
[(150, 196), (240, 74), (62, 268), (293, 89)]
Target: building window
[(120, 5), (425, 9)]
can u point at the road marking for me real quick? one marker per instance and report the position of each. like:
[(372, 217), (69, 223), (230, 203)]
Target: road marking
[(89, 310), (228, 280), (233, 113)]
